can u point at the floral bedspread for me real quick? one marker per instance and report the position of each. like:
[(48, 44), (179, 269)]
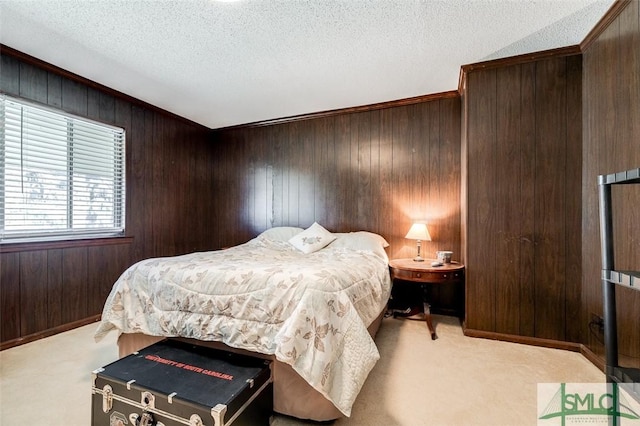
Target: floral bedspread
[(309, 310)]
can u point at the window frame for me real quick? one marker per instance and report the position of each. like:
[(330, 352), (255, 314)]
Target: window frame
[(69, 235)]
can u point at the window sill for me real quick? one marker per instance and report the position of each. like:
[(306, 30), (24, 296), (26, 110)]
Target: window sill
[(9, 247)]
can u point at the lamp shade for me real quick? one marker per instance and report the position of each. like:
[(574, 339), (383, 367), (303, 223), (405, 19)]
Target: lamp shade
[(418, 231)]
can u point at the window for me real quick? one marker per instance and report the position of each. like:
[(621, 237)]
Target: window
[(61, 176)]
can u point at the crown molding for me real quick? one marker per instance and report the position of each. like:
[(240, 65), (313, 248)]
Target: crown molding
[(604, 22), (349, 110)]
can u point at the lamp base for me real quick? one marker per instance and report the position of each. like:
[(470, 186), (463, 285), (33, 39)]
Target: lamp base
[(418, 259)]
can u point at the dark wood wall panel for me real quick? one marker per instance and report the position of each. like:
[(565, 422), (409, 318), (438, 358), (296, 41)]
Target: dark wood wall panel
[(552, 186), (74, 288), (481, 163), (508, 181), (522, 189), (526, 199), (105, 264), (573, 202), (9, 296), (376, 170), (55, 284), (170, 194), (611, 126), (33, 298)]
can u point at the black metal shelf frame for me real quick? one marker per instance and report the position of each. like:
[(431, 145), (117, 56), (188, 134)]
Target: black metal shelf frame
[(628, 377)]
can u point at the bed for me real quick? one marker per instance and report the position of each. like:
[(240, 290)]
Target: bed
[(309, 299)]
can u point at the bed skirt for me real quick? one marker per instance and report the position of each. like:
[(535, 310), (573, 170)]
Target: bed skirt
[(292, 395)]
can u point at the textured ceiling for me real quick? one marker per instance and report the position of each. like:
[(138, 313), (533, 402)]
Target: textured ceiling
[(228, 63)]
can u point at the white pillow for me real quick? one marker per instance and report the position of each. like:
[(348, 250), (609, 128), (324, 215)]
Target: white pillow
[(312, 239), (281, 233), (362, 240)]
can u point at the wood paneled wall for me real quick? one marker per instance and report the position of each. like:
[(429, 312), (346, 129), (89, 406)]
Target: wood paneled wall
[(611, 126), (46, 288), (375, 170), (522, 161)]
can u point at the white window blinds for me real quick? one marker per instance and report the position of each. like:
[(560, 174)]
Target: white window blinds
[(62, 176)]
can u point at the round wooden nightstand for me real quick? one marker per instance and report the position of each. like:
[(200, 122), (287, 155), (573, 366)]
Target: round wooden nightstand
[(423, 273)]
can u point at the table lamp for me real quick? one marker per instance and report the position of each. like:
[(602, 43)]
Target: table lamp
[(420, 233)]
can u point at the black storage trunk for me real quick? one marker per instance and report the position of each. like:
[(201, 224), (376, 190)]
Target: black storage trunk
[(173, 383)]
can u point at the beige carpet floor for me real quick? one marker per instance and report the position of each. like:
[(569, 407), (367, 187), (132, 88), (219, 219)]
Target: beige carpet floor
[(454, 380)]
